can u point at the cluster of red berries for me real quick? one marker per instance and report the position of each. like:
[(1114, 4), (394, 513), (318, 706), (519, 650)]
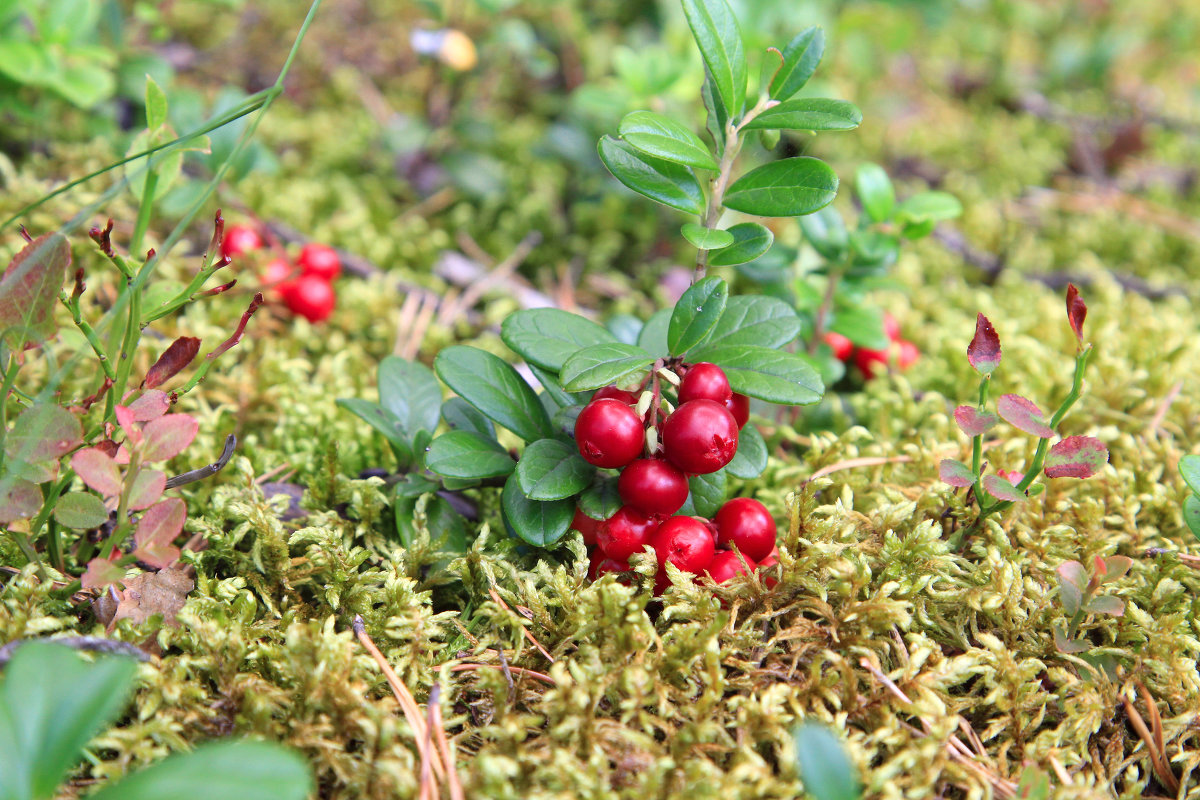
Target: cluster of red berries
[(699, 437), (305, 288), (868, 361)]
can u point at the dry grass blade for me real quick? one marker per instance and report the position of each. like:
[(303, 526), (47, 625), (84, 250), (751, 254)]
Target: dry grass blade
[(1163, 408), (500, 602), (541, 676), (1155, 747), (855, 463), (438, 732)]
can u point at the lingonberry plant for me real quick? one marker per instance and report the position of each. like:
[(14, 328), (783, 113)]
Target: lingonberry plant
[(636, 428), (1070, 457)]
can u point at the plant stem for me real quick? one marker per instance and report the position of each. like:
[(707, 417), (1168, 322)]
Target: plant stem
[(835, 276)]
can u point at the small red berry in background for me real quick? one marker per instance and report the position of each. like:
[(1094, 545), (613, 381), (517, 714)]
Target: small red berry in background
[(906, 354), (276, 272), (739, 406), (842, 347), (726, 564), (869, 361), (745, 522), (685, 542), (891, 328), (653, 486), (240, 239), (625, 533), (764, 568), (700, 437), (704, 381), (609, 433), (613, 393), (601, 564), (585, 525), (320, 260), (309, 296)]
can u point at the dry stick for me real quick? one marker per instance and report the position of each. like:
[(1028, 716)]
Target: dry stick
[(541, 676), (1155, 747), (959, 752), (408, 703), (500, 602), (438, 731), (1163, 407), (428, 789)]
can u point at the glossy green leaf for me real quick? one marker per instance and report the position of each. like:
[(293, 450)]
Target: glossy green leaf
[(716, 119), (1191, 514), (554, 390), (703, 238), (755, 320), (825, 230), (536, 522), (930, 206), (751, 457), (716, 31), (602, 364), (601, 500), (468, 455), (230, 770), (862, 325), (625, 327), (696, 313), (875, 192), (462, 416), (791, 187), (551, 469), (156, 104), (29, 290), (671, 184), (824, 766), (808, 114), (410, 391), (653, 336), (776, 376), (495, 389), (800, 60), (1189, 470), (52, 703), (547, 337), (663, 137), (81, 510), (706, 493), (445, 526), (383, 421), (750, 240)]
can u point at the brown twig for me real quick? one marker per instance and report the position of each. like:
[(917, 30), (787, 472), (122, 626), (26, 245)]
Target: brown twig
[(1155, 747), (1163, 408), (438, 731), (500, 602), (509, 671)]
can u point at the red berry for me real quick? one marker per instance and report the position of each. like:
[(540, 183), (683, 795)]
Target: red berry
[(609, 433), (739, 406), (629, 398), (868, 361), (585, 525), (319, 260), (276, 272), (600, 565), (747, 523), (310, 297), (764, 569), (625, 533), (726, 564), (240, 239), (653, 486), (685, 542), (906, 353), (891, 328), (704, 381), (842, 347), (700, 437)]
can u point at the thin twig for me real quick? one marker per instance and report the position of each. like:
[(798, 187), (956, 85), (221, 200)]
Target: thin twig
[(206, 471), (500, 602), (1163, 407), (439, 736), (508, 671)]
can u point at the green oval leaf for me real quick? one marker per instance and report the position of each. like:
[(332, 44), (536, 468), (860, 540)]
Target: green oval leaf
[(824, 767), (602, 500), (930, 206), (1189, 469), (696, 313), (704, 238), (672, 185), (663, 137), (495, 389), (383, 421), (825, 230), (716, 31), (808, 114), (653, 336), (706, 493), (537, 522), (800, 60), (468, 455), (791, 187), (80, 510), (462, 416), (875, 192), (602, 364), (547, 337), (755, 320), (1191, 514), (410, 391), (751, 457), (551, 469), (750, 240), (773, 375)]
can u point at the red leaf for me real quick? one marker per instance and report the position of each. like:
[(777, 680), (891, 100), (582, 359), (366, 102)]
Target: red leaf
[(151, 405), (148, 486), (973, 421), (19, 499), (984, 350), (30, 287), (127, 419), (172, 361), (1023, 415), (1001, 489), (1011, 475), (157, 529), (1076, 311), (43, 432), (98, 471), (102, 573), (1076, 457), (956, 473), (166, 437)]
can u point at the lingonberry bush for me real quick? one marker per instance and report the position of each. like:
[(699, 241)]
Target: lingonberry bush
[(1070, 457), (637, 429)]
